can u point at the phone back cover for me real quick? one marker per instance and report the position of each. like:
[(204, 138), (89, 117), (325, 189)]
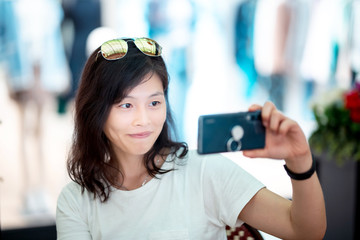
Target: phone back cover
[(215, 131)]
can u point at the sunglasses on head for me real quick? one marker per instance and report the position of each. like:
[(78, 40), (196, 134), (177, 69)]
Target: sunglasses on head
[(117, 48)]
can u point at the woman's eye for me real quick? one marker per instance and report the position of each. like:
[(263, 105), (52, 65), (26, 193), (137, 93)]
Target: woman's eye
[(125, 105), (154, 103)]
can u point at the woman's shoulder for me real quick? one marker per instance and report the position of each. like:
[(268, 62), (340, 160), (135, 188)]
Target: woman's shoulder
[(72, 187), (195, 160), (194, 156), (73, 190)]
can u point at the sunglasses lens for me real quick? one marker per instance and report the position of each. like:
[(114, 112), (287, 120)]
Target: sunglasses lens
[(148, 46), (114, 49)]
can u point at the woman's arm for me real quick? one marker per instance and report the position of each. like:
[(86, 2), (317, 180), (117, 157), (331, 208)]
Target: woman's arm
[(304, 217), (69, 221)]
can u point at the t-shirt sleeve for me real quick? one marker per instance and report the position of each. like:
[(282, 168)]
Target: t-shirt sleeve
[(227, 189), (71, 222)]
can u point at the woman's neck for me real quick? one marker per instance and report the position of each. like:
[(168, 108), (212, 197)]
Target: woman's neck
[(134, 171), (131, 165)]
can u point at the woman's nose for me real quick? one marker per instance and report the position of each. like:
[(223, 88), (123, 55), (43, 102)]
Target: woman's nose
[(141, 117)]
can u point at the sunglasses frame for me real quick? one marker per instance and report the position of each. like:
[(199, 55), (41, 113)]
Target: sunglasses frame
[(126, 40)]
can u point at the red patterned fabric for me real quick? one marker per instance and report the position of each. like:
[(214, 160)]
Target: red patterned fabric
[(244, 232)]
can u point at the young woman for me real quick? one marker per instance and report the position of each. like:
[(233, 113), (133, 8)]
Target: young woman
[(132, 181)]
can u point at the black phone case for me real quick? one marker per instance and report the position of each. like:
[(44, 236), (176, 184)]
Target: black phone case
[(214, 132)]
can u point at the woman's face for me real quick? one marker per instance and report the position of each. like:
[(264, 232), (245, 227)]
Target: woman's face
[(135, 123)]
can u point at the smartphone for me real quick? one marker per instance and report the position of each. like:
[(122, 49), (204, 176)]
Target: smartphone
[(230, 132)]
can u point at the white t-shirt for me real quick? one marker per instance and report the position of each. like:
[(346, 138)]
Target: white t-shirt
[(195, 201)]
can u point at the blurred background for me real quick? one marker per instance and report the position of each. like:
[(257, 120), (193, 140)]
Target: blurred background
[(222, 56)]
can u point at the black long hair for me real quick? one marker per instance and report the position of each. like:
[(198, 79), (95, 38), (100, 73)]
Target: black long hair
[(91, 162)]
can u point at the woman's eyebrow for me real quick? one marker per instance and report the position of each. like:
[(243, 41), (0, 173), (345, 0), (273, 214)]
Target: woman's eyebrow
[(158, 93), (155, 94)]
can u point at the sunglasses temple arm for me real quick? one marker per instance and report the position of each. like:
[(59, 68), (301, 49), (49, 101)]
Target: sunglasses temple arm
[(97, 55)]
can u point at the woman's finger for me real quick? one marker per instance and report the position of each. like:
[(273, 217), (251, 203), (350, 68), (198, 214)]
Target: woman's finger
[(285, 126), (255, 153), (254, 107), (276, 119), (266, 112)]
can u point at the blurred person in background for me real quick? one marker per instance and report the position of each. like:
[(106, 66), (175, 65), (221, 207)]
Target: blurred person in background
[(354, 39), (244, 43), (280, 31), (36, 72), (131, 180), (271, 30), (173, 21), (80, 18), (319, 66)]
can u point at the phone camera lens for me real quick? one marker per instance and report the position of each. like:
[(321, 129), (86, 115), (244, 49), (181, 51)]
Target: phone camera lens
[(253, 117), (234, 146)]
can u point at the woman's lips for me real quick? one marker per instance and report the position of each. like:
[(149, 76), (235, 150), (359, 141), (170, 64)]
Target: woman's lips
[(140, 135)]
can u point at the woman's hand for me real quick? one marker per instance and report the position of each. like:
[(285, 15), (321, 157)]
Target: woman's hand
[(284, 138), (304, 217)]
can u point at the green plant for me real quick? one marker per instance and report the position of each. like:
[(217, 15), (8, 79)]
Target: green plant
[(337, 132)]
